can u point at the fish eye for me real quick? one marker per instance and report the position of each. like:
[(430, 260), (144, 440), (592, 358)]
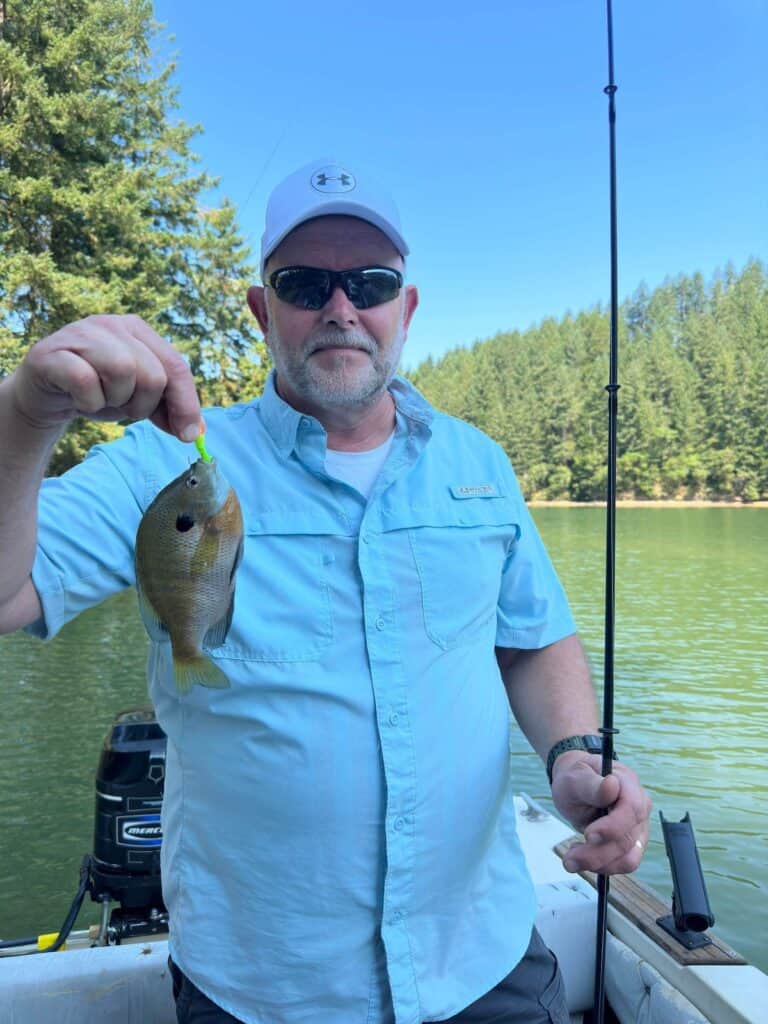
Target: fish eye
[(184, 522), (192, 482)]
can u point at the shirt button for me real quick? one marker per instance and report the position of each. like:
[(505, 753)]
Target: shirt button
[(365, 538), (380, 623), (399, 824), (394, 718), (397, 914)]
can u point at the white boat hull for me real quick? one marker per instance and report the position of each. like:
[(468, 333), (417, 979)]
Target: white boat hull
[(131, 983)]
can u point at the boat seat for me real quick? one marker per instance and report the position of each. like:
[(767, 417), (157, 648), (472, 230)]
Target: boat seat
[(565, 918), (639, 995)]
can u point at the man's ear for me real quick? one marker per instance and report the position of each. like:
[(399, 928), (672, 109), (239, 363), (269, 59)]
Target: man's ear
[(258, 306), (411, 302)]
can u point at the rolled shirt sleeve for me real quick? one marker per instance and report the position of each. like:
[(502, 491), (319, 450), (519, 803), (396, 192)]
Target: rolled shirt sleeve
[(532, 610), (87, 523)]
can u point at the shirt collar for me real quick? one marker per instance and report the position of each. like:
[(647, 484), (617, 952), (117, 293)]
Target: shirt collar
[(283, 421)]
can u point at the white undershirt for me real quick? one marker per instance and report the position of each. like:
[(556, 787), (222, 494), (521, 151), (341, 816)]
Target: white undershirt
[(359, 469)]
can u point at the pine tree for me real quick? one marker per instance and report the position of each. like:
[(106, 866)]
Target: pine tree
[(100, 209)]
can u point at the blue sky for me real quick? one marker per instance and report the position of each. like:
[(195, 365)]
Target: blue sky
[(488, 123)]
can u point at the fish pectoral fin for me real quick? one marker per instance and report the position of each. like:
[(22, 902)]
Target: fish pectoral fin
[(157, 629), (206, 552), (217, 634), (199, 669)]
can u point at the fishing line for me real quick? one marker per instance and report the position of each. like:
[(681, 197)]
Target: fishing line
[(607, 730), (263, 170)]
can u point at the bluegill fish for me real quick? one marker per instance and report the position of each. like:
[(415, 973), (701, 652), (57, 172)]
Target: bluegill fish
[(188, 547)]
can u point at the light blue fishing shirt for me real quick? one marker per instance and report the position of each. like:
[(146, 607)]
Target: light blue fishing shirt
[(339, 833)]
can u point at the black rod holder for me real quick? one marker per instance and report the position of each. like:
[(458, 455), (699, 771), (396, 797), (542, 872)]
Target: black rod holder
[(691, 912)]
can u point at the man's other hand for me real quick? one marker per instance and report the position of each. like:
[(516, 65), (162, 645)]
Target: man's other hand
[(616, 840)]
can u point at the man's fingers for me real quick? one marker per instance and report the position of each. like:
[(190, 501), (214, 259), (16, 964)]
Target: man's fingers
[(608, 856), (182, 407), (606, 791), (118, 367), (627, 820), (628, 814), (110, 367), (616, 839), (150, 384), (590, 789), (76, 381), (615, 842)]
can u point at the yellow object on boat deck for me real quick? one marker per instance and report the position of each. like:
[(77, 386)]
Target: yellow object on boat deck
[(44, 941)]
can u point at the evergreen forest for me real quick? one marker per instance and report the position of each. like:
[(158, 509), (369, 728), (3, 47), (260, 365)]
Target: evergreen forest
[(103, 208), (693, 401)]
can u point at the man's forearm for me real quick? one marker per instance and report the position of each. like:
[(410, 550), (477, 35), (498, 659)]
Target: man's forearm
[(24, 454), (550, 691)]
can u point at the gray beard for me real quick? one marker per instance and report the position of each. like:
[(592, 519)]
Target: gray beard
[(337, 387)]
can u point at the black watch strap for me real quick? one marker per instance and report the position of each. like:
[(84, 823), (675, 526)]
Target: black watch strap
[(592, 744)]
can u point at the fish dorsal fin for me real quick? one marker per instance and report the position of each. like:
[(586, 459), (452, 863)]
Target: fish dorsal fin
[(217, 634)]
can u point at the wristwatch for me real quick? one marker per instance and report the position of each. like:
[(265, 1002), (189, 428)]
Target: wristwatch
[(592, 744)]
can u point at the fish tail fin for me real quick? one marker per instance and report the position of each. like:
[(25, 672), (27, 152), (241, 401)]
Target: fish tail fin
[(198, 669)]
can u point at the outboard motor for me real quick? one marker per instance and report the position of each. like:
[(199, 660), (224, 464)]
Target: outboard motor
[(125, 865)]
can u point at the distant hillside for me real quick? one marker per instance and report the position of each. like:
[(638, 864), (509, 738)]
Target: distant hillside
[(693, 404)]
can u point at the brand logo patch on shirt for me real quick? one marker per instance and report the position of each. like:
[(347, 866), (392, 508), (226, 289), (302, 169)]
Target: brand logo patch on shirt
[(474, 491)]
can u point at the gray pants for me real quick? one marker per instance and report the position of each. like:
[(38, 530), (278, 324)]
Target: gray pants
[(532, 993)]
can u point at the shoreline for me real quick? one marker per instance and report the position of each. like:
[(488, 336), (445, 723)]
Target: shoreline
[(648, 503)]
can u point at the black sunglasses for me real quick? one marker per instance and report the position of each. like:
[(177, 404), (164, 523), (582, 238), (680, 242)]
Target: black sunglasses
[(311, 287)]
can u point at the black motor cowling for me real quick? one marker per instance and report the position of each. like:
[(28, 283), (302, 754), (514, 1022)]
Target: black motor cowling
[(125, 865)]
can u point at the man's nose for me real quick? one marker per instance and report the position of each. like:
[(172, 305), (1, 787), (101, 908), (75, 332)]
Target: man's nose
[(339, 310)]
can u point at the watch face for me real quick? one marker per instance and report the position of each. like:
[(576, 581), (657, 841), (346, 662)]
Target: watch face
[(594, 744)]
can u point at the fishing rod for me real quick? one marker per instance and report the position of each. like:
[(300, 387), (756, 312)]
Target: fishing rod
[(607, 730)]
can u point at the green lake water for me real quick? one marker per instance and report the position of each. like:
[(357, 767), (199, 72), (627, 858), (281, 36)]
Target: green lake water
[(691, 674)]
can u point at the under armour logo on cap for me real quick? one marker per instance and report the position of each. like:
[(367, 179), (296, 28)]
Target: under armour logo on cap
[(332, 179)]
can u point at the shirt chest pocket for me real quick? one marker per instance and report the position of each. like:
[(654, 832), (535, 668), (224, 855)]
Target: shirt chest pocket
[(283, 606), (459, 548)]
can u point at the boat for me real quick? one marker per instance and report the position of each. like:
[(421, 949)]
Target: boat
[(650, 977)]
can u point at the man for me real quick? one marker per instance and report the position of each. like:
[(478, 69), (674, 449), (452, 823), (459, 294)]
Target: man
[(339, 836)]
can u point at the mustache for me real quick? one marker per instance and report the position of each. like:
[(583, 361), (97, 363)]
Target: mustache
[(335, 339)]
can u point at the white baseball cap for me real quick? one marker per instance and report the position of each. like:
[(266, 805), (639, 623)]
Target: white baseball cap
[(323, 187)]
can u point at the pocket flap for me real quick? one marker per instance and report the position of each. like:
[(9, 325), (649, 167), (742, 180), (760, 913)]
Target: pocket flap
[(296, 521), (449, 511)]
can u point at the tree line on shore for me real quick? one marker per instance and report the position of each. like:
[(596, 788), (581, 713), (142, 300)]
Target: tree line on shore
[(102, 209), (693, 401)]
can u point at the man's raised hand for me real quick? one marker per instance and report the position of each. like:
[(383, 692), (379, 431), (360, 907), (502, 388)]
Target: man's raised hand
[(107, 367)]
